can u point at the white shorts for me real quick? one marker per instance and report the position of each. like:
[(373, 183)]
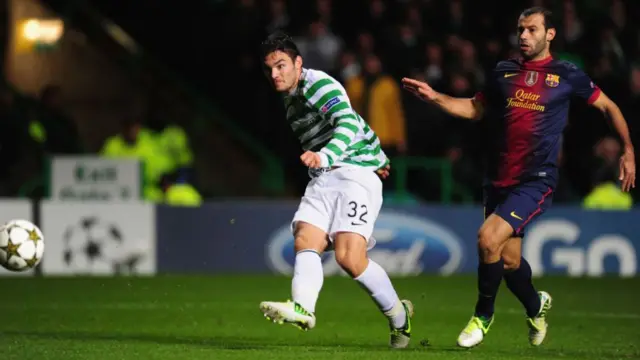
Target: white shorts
[(346, 199)]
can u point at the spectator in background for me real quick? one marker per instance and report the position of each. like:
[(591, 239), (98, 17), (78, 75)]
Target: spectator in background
[(51, 127), (349, 67), (16, 148), (377, 20), (376, 97), (462, 132), (606, 157), (324, 10), (434, 70), (564, 192), (365, 45), (468, 64), (404, 51), (135, 141), (572, 29), (466, 173), (631, 106), (446, 42), (607, 195), (172, 139), (278, 16), (320, 48), (178, 192)]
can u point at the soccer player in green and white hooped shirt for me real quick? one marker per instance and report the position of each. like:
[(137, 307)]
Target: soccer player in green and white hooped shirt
[(343, 198)]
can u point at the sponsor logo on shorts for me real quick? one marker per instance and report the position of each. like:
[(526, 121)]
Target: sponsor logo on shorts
[(405, 245)]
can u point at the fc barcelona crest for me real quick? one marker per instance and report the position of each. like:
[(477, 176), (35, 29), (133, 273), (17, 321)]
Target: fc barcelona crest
[(531, 78), (552, 80)]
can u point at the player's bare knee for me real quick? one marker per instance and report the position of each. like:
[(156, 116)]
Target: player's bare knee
[(492, 238), (511, 263), (488, 243), (305, 242), (307, 237)]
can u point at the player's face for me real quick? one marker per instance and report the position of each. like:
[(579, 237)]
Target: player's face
[(534, 40), (282, 70)]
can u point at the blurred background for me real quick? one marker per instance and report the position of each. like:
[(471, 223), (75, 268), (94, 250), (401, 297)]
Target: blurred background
[(142, 138), (183, 92), (124, 120)]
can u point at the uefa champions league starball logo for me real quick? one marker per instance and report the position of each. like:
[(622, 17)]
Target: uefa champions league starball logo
[(95, 246)]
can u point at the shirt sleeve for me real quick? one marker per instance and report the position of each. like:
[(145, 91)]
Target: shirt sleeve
[(332, 103), (484, 95), (582, 86), (490, 94), (480, 97)]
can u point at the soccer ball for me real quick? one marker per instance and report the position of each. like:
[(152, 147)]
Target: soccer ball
[(21, 245)]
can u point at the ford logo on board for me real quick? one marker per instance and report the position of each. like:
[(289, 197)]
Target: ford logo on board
[(405, 245)]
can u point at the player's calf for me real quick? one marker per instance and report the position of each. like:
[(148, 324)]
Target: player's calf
[(492, 237), (511, 259), (518, 277), (308, 277), (351, 255), (307, 281)]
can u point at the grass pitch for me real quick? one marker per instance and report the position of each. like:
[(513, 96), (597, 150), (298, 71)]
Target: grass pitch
[(217, 317)]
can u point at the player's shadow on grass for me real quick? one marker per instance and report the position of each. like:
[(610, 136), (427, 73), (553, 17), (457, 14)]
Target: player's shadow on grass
[(221, 342), (262, 343), (218, 342)]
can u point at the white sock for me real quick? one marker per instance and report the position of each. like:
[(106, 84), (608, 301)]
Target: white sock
[(307, 279), (377, 283)]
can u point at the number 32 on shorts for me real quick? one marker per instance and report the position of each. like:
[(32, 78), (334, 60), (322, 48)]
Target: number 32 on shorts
[(358, 213)]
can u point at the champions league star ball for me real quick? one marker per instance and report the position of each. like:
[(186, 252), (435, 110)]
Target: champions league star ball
[(21, 245)]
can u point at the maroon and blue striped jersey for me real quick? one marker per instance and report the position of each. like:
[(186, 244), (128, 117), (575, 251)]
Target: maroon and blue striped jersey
[(526, 108)]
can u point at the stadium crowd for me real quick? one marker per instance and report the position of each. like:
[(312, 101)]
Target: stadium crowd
[(36, 127), (370, 45)]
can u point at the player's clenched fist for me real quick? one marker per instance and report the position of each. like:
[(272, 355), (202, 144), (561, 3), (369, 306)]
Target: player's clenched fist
[(383, 172), (311, 159), (420, 89)]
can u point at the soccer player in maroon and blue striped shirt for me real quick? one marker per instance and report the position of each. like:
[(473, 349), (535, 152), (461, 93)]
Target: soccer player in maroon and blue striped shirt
[(524, 106)]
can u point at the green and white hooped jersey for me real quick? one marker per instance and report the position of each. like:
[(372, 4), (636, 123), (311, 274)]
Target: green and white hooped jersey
[(322, 118)]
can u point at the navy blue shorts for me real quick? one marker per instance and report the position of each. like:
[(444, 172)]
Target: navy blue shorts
[(518, 204)]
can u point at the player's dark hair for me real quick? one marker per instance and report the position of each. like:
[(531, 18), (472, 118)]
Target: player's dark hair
[(546, 14), (279, 41)]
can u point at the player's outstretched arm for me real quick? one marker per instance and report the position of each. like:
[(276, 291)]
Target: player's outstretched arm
[(627, 162), (332, 103), (467, 108)]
